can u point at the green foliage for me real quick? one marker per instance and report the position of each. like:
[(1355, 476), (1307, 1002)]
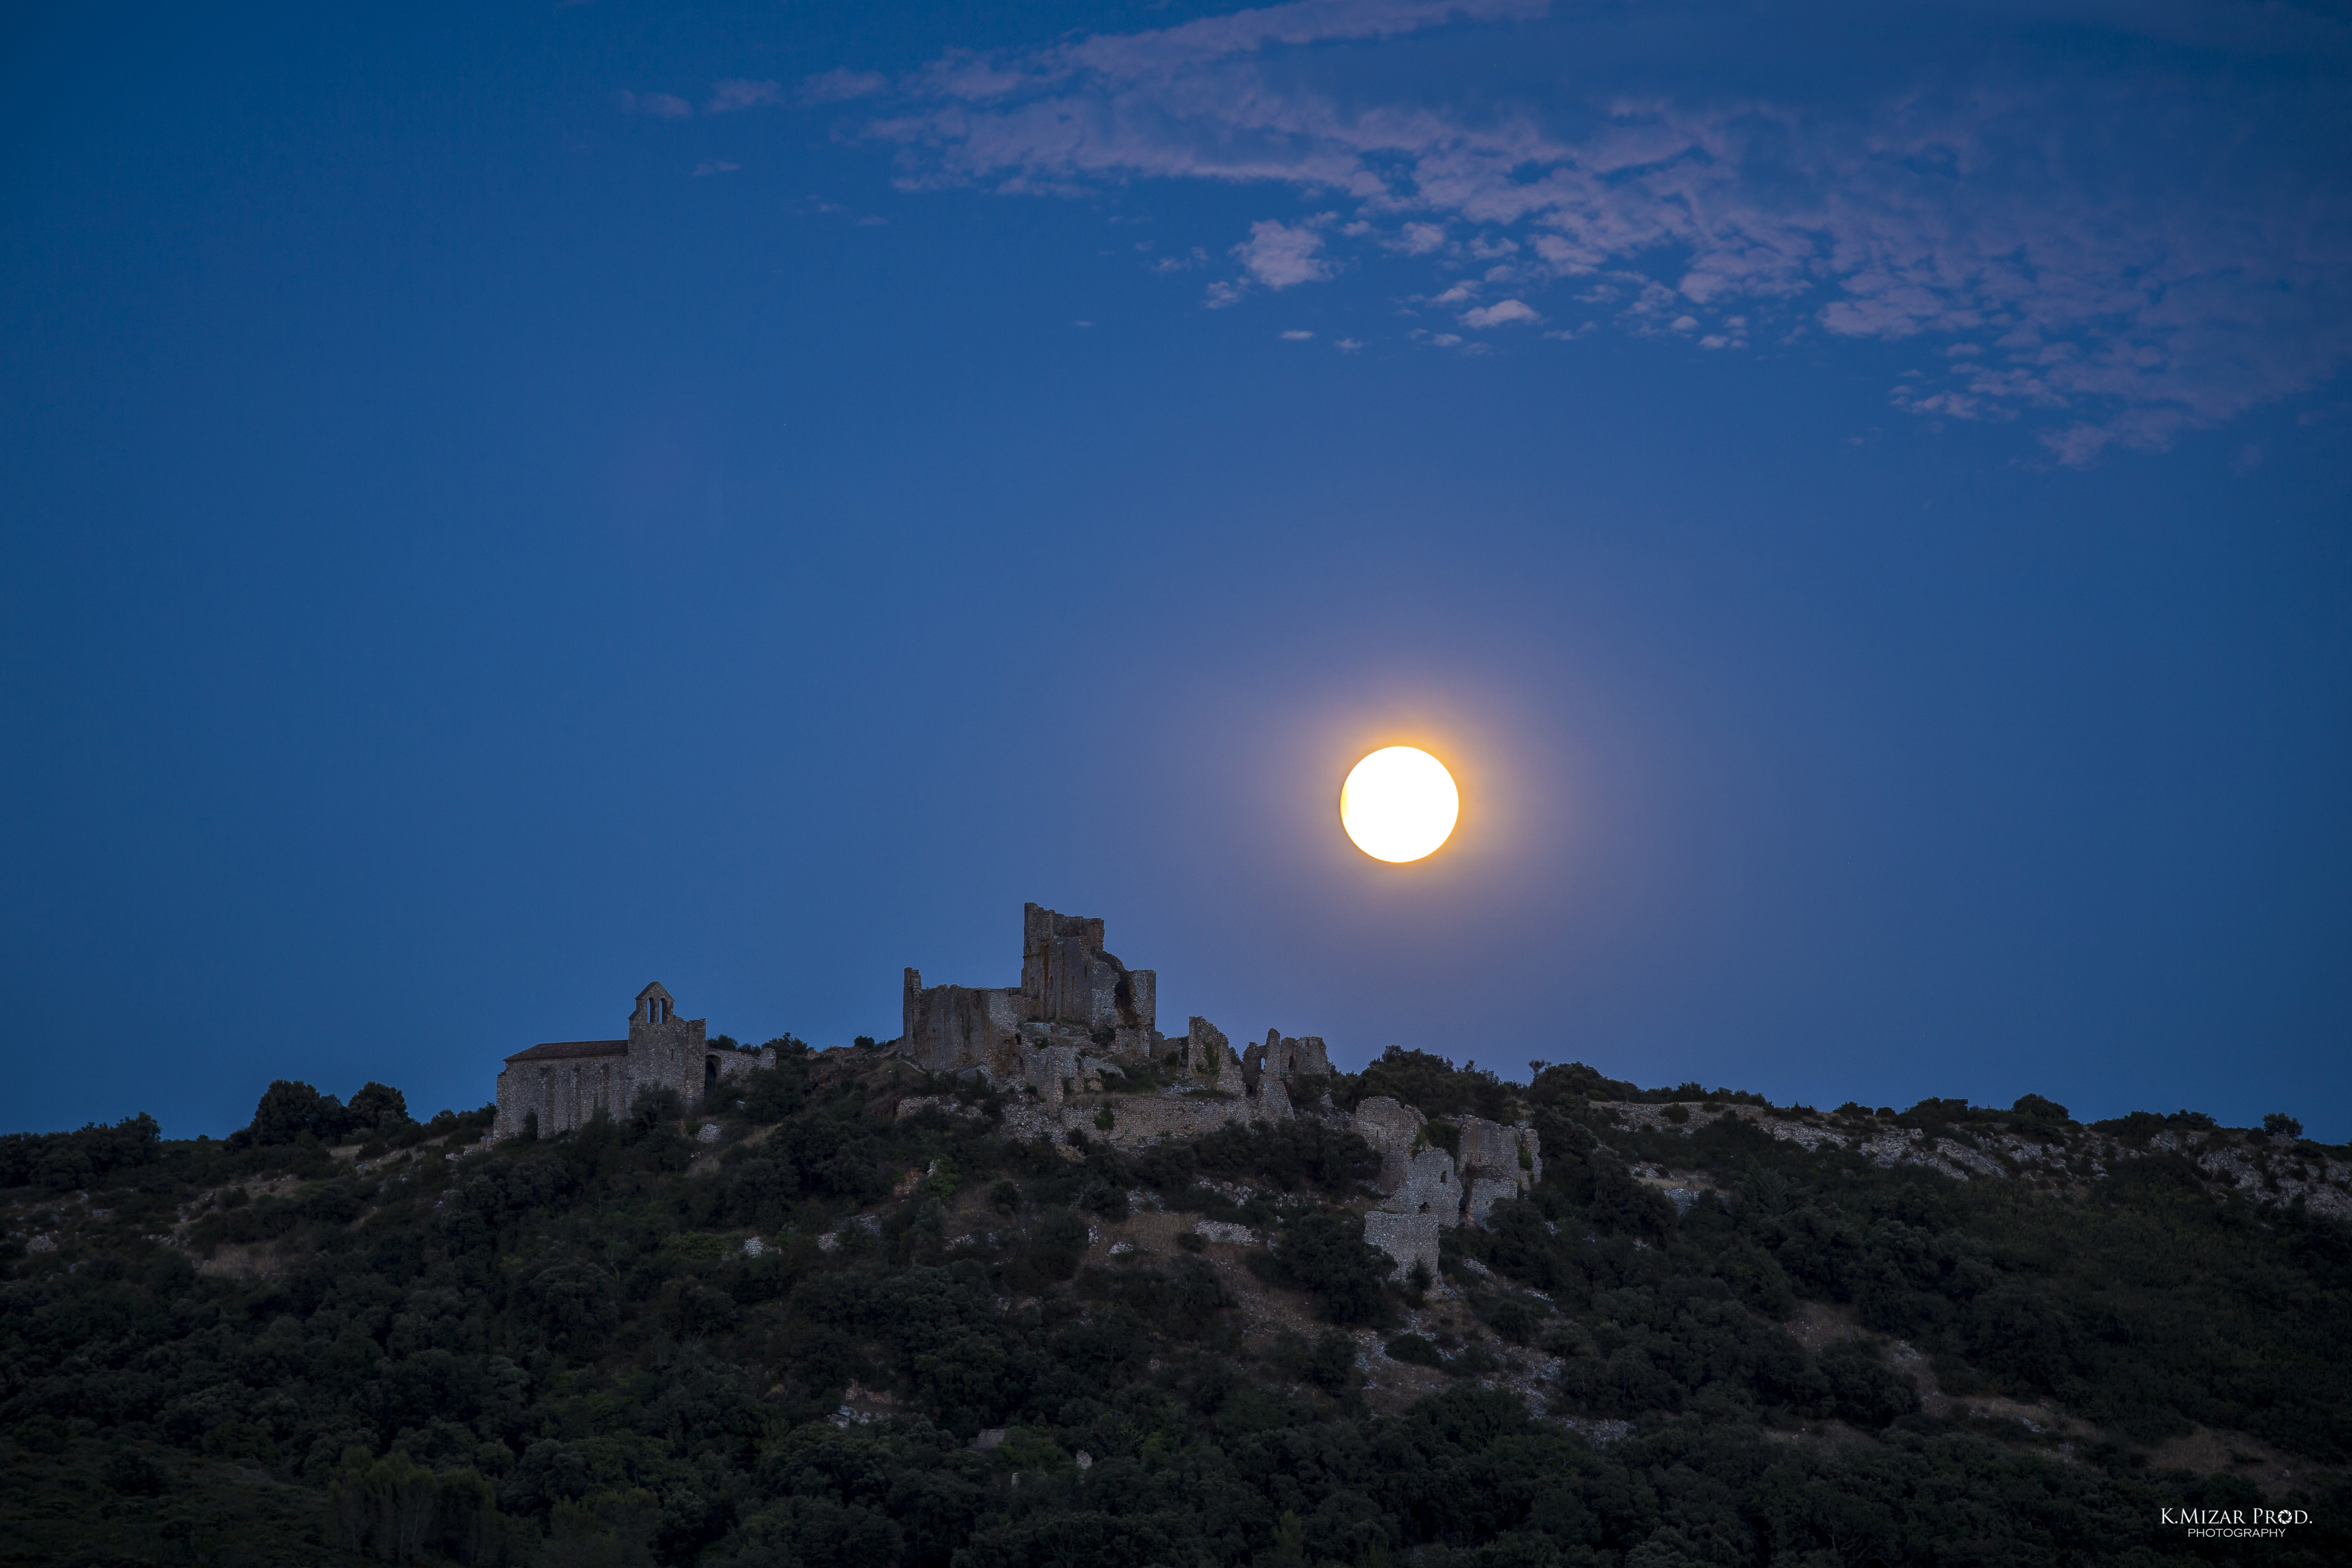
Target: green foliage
[(66, 1161), (560, 1353), (400, 1510), (770, 1095), (2139, 1126), (1292, 1155), (1432, 1085), (291, 1113)]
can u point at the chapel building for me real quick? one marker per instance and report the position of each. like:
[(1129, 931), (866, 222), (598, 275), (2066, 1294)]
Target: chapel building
[(557, 1087)]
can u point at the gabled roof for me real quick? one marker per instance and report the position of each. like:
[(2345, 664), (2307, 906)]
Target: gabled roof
[(558, 1051), (656, 990)]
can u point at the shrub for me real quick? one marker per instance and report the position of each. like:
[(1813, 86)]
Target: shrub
[(1325, 1254)]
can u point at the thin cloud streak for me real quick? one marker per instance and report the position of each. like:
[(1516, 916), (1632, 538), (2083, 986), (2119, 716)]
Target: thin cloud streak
[(2125, 267)]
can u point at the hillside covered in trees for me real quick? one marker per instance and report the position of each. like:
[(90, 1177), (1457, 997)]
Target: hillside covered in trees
[(843, 1321)]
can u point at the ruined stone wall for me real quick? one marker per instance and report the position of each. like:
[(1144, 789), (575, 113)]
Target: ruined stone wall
[(1207, 1055), (944, 1027), (1408, 1238), (1295, 1059), (1422, 1181), (519, 1093), (1497, 1162), (1066, 977)]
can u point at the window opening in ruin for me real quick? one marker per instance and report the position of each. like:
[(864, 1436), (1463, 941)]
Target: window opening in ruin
[(710, 1075)]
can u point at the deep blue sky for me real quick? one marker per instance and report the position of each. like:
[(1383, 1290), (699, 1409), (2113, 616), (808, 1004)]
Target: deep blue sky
[(503, 504)]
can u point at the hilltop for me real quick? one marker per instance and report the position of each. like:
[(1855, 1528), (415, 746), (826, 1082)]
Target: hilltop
[(850, 1310)]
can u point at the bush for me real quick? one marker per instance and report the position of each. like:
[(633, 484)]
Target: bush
[(1432, 1085), (131, 1473), (1325, 1254), (65, 1161), (1290, 1154)]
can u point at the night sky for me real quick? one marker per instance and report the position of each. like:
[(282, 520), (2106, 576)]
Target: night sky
[(501, 503)]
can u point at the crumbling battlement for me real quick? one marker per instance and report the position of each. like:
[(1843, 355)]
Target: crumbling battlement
[(1081, 1023), (1081, 1018), (1073, 991)]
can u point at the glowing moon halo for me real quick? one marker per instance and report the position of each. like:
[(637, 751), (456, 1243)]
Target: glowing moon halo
[(1399, 804)]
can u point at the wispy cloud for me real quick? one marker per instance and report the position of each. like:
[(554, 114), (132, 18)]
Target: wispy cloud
[(715, 166), (842, 86), (1501, 314), (660, 105), (740, 92), (2127, 261)]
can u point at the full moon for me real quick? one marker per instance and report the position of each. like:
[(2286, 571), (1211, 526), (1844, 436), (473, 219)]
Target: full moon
[(1399, 804)]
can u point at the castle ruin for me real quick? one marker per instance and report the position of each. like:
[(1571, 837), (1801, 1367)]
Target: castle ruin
[(1079, 1037), (557, 1087)]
